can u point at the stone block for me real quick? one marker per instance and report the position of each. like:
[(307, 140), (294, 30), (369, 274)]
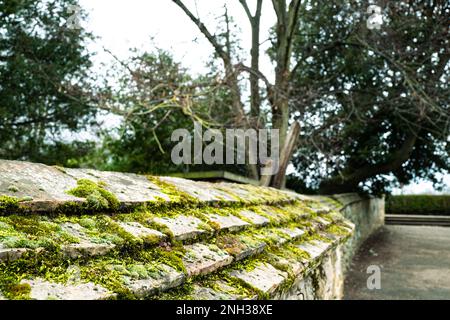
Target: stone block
[(45, 290), (315, 248), (230, 223), (129, 188), (202, 259), (166, 278), (86, 246), (183, 227), (254, 218), (202, 191), (240, 246), (8, 254), (221, 291), (264, 277), (86, 249), (137, 230)]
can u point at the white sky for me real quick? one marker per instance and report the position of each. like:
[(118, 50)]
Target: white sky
[(132, 23), (124, 24)]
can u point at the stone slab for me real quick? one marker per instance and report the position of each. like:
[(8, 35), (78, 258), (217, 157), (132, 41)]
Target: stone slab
[(139, 231), (45, 290), (127, 187), (221, 291), (315, 248), (182, 227), (8, 255), (202, 259), (229, 222), (86, 249), (166, 279), (264, 277), (254, 218), (293, 233), (202, 191), (85, 246), (240, 246)]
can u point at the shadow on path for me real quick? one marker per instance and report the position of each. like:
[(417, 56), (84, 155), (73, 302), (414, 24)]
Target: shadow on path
[(414, 263)]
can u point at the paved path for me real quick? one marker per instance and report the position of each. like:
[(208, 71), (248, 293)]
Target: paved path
[(414, 263)]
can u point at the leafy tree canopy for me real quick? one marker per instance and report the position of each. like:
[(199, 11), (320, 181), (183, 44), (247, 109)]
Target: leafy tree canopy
[(43, 73), (373, 103)]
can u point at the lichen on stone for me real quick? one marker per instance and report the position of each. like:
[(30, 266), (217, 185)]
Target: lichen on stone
[(97, 197)]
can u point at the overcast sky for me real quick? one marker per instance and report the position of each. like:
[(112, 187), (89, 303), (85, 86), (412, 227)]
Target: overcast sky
[(146, 24), (122, 25)]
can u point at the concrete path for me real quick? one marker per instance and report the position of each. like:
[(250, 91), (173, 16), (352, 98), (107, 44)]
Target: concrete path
[(414, 263)]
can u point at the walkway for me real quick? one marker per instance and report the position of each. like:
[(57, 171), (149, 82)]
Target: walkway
[(414, 263)]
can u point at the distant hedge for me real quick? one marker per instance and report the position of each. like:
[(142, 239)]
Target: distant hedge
[(419, 204)]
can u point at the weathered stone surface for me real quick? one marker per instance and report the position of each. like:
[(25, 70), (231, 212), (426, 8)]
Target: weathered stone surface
[(139, 231), (7, 254), (85, 246), (164, 279), (45, 290), (230, 222), (274, 216), (323, 222), (293, 233), (267, 219), (203, 259), (264, 277), (296, 265), (83, 249), (45, 185), (240, 191), (273, 237), (279, 236), (254, 218), (315, 248), (127, 187), (183, 227), (221, 291), (240, 246), (202, 191)]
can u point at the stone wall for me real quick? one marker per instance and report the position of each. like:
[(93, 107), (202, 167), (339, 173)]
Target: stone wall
[(367, 213), (86, 234)]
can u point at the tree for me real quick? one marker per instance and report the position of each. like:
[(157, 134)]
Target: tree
[(43, 70), (154, 96), (278, 93), (376, 102)]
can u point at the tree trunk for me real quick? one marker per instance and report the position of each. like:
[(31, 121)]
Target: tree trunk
[(286, 154)]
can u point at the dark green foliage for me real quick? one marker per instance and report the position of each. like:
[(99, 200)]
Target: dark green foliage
[(373, 103), (419, 204), (156, 95), (43, 73)]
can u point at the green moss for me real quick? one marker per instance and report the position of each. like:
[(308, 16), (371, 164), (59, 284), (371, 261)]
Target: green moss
[(97, 198), (20, 291), (8, 204), (175, 195), (32, 232), (13, 188), (337, 230)]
